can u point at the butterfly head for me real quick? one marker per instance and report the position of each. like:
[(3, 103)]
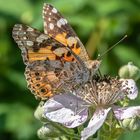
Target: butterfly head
[(93, 65)]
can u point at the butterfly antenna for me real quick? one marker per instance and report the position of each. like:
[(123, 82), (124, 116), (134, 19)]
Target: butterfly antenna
[(100, 56), (100, 74)]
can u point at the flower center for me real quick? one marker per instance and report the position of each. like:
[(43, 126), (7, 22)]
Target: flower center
[(102, 91)]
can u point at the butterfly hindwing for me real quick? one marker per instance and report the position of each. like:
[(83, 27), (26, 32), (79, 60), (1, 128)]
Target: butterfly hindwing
[(47, 78)]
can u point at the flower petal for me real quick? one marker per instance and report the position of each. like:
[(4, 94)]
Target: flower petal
[(95, 123), (130, 87), (126, 112), (67, 110)]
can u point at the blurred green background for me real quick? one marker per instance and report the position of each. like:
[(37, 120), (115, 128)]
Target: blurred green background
[(99, 25)]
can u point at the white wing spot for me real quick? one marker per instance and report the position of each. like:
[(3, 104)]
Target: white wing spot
[(19, 43), (50, 13), (24, 37), (15, 33), (41, 38), (30, 29), (61, 22), (49, 19), (45, 4), (65, 21), (30, 43), (71, 40), (20, 29), (44, 12), (45, 24), (60, 51), (43, 16), (51, 26), (54, 10)]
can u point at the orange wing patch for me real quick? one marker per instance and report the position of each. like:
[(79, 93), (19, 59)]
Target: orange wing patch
[(73, 43), (61, 38), (70, 42), (39, 82), (41, 54)]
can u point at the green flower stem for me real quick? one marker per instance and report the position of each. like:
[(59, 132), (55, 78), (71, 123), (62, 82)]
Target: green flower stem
[(109, 131)]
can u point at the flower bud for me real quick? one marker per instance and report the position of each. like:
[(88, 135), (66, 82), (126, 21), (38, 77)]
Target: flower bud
[(48, 131), (129, 71), (39, 113), (131, 124)]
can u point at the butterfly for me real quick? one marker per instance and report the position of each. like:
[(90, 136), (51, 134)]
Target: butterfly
[(56, 60)]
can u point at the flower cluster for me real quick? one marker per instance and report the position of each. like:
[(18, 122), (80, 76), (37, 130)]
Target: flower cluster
[(91, 103)]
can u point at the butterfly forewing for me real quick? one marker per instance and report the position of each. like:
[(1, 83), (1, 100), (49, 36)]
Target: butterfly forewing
[(36, 45), (58, 27)]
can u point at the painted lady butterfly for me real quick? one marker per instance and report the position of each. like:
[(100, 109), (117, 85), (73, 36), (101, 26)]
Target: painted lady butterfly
[(55, 60)]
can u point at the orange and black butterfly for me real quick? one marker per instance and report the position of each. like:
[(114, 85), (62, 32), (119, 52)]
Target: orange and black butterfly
[(56, 60)]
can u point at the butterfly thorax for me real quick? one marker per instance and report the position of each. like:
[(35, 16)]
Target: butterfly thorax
[(93, 66)]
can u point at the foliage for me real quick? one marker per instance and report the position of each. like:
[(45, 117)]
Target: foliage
[(99, 24)]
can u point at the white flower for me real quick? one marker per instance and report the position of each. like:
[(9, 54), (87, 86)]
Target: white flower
[(71, 109)]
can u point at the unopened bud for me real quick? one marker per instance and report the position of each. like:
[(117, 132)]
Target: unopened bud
[(129, 71), (131, 124), (48, 131), (39, 113)]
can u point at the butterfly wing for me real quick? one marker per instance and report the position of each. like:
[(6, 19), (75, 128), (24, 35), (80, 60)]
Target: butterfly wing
[(57, 27), (47, 72), (38, 46)]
